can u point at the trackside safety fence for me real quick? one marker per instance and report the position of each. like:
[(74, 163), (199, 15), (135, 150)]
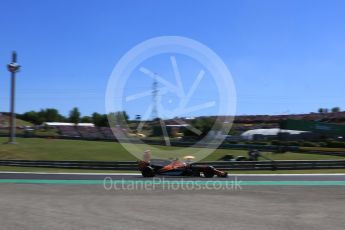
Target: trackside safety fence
[(222, 165)]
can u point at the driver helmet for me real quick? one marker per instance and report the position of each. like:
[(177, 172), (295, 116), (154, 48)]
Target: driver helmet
[(147, 155)]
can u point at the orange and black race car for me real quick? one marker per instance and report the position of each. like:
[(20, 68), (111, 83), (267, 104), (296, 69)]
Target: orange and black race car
[(176, 167)]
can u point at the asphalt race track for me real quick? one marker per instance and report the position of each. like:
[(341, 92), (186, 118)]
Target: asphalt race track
[(137, 176), (36, 201)]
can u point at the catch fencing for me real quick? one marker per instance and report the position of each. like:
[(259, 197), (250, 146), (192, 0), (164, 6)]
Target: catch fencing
[(222, 165)]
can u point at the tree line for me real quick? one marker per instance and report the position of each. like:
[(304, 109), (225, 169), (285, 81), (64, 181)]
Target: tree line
[(74, 116), (332, 110)]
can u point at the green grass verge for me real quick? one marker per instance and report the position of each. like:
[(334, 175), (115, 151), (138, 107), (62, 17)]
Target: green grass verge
[(274, 156), (52, 170), (19, 122), (324, 149), (58, 170), (58, 149), (307, 171)]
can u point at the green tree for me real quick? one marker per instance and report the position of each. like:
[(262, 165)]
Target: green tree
[(74, 115), (323, 110), (52, 115), (44, 115), (335, 110), (100, 120), (120, 117), (86, 119), (203, 124), (125, 115), (31, 116)]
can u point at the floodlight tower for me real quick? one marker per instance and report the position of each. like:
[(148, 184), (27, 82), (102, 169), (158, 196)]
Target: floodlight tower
[(154, 112), (13, 67)]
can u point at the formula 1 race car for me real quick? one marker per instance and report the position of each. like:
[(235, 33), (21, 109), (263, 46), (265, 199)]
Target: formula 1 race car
[(177, 168)]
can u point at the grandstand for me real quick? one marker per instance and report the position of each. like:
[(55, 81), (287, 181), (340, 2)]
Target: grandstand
[(3, 120), (338, 117), (244, 123), (241, 124), (266, 134), (68, 131), (107, 133), (87, 132)]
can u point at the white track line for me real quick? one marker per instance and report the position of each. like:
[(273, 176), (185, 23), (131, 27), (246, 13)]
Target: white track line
[(67, 173), (301, 174), (137, 174)]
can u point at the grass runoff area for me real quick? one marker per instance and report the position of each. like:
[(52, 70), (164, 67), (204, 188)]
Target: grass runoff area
[(57, 170), (58, 149)]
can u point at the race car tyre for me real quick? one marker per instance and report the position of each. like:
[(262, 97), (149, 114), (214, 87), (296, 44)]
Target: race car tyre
[(208, 174), (148, 171), (224, 175)]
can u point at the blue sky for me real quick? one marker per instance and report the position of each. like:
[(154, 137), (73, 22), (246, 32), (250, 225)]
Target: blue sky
[(285, 56)]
